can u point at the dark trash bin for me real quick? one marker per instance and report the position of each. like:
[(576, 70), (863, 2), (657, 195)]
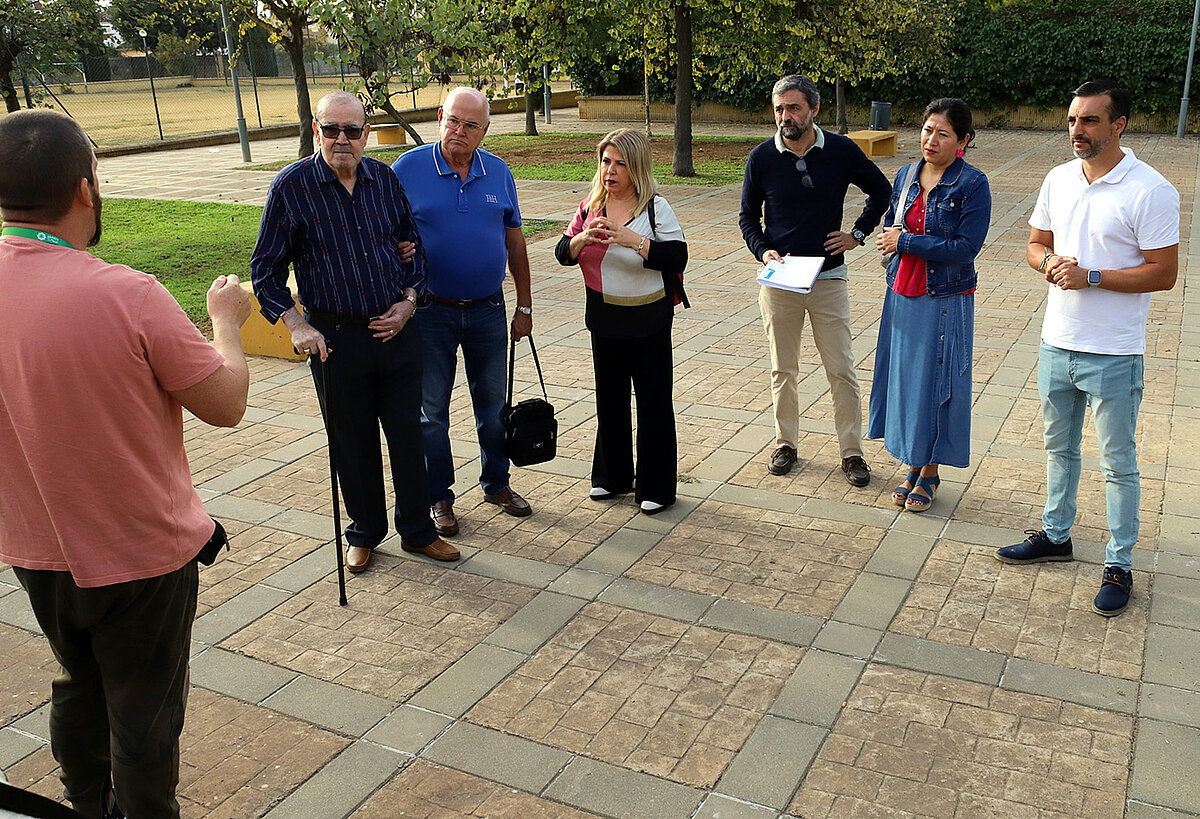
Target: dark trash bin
[(881, 116)]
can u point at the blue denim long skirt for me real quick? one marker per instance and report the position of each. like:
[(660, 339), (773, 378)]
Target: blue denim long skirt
[(921, 389)]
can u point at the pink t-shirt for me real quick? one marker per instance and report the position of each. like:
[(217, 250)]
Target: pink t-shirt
[(93, 476)]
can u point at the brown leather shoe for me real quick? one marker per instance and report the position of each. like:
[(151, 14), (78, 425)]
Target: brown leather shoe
[(510, 502), (443, 518), (438, 550), (358, 558)]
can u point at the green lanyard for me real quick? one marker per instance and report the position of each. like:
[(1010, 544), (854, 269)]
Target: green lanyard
[(40, 235)]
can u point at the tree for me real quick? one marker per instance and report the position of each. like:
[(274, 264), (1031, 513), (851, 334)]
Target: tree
[(196, 21), (41, 32)]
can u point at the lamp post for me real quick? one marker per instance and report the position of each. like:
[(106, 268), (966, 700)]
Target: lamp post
[(243, 137), (150, 74), (1187, 80)]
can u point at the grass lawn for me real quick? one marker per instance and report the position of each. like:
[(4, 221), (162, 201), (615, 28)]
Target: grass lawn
[(572, 157), (188, 244)]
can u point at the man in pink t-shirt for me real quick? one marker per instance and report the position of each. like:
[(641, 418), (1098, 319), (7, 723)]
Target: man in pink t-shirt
[(98, 515)]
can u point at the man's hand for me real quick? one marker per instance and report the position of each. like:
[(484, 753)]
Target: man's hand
[(407, 250), (308, 341), (839, 242), (1065, 273), (522, 325), (386, 326), (771, 256), (227, 301)]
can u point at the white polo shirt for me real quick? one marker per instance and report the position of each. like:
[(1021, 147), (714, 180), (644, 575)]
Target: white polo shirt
[(1105, 225)]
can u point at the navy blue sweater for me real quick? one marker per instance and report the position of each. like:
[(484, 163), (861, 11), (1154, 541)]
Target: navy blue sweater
[(799, 219)]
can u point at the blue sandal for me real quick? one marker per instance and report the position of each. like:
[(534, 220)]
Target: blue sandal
[(900, 493), (917, 503)]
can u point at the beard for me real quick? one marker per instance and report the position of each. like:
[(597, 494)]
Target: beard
[(95, 240), (794, 130), (1093, 148)]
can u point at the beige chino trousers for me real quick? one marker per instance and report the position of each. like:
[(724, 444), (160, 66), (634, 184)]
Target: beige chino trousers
[(828, 309)]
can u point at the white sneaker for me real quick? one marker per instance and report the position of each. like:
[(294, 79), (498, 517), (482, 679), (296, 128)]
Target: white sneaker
[(652, 508), (599, 493)]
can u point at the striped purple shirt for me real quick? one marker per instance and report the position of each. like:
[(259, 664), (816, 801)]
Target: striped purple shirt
[(343, 247)]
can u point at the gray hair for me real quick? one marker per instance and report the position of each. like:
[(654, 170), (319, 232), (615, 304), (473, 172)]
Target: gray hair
[(335, 97), (801, 83), (464, 91)]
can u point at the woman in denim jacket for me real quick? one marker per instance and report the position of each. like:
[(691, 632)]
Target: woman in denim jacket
[(921, 392)]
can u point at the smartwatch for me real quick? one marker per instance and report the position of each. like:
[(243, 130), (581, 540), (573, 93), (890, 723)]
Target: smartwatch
[(859, 236), (1093, 278)]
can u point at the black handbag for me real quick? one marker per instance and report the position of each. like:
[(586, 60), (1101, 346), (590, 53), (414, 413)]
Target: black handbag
[(530, 430)]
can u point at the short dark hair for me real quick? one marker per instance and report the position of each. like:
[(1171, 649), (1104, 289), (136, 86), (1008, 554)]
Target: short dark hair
[(43, 155), (956, 112), (801, 83), (1120, 101)]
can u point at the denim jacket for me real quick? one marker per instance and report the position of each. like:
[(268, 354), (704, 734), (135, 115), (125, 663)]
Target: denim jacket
[(957, 213)]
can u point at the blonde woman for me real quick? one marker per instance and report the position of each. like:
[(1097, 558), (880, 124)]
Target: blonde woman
[(630, 247)]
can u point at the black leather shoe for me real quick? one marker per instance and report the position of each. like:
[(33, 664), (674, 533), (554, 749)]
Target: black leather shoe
[(1037, 548), (782, 461), (856, 470)]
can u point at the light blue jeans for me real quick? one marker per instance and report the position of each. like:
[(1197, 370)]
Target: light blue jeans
[(1112, 386)]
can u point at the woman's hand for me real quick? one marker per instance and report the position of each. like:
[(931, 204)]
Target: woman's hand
[(592, 233), (617, 234), (887, 241)]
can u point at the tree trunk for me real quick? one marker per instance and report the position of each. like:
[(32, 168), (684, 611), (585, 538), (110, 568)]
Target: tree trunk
[(841, 106), (391, 111), (530, 110), (7, 90), (681, 163), (293, 45), (646, 86)]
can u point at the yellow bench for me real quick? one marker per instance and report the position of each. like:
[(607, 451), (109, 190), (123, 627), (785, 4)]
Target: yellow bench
[(875, 143), (261, 337), (388, 133)]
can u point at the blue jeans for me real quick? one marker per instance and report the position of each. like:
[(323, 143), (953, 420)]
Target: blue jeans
[(481, 329), (1112, 386)]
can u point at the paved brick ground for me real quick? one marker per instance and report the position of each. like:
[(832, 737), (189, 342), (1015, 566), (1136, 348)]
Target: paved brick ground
[(770, 646)]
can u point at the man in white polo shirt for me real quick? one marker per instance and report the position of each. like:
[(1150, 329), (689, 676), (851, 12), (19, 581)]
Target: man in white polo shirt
[(1105, 233)]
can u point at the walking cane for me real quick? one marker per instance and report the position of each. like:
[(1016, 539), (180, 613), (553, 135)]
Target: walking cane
[(333, 482)]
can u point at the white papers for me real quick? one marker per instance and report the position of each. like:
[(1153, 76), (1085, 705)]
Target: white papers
[(795, 273)]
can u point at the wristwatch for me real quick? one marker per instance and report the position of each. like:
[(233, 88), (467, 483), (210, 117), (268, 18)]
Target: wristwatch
[(1093, 278), (526, 310), (859, 236)]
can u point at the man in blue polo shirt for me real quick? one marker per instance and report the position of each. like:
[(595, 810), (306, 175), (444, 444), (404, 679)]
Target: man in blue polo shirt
[(465, 203)]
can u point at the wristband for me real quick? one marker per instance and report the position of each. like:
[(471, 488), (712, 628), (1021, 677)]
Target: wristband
[(412, 299), (641, 244), (1046, 258), (526, 310)]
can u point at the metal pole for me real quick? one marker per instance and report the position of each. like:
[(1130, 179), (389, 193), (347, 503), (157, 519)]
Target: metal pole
[(243, 137), (1187, 80), (25, 82), (254, 81), (150, 74), (546, 92), (326, 414)]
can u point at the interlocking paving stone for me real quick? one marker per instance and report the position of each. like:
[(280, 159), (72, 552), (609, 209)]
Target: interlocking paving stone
[(536, 622), (408, 729), (237, 676), (305, 446), (243, 509), (300, 522), (939, 658), (956, 748), (1164, 769), (1166, 704), (234, 615), (1175, 602), (512, 569), (1082, 687), (241, 475), (872, 600), (508, 759), (641, 691), (35, 723), (330, 706), (848, 639), (581, 583), (303, 572), (758, 498), (16, 745), (1172, 656), (620, 551), (652, 599), (717, 806), (423, 789), (613, 791), (900, 555), (339, 787), (1142, 810), (463, 684), (818, 689), (781, 626), (772, 762), (15, 611)]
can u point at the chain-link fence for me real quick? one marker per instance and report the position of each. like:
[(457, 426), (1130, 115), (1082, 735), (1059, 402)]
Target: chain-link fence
[(171, 91)]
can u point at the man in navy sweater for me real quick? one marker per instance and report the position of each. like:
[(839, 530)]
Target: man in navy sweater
[(796, 185)]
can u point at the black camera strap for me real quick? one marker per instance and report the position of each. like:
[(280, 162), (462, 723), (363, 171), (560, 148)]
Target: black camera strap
[(512, 357)]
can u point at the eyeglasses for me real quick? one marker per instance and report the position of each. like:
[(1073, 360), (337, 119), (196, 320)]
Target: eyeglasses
[(330, 131), (806, 180), (468, 126)]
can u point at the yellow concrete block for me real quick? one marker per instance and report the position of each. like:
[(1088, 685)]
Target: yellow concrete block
[(388, 134), (260, 337), (875, 143)]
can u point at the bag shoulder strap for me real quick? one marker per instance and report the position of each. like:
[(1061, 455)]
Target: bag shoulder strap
[(650, 213), (898, 216), (512, 356)]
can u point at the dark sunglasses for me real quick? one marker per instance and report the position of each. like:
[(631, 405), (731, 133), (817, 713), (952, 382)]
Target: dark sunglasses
[(331, 131), (806, 180)]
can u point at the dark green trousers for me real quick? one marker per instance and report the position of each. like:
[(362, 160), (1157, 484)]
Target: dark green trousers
[(118, 701)]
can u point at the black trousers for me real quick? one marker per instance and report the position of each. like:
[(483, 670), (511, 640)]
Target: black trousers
[(645, 364), (374, 383), (118, 701)]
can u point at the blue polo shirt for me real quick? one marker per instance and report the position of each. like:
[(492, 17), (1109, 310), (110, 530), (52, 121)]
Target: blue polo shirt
[(461, 222)]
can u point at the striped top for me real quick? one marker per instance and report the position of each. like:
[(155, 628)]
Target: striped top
[(342, 246)]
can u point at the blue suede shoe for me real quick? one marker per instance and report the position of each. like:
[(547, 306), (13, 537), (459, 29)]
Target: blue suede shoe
[(1114, 594), (1037, 548)]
